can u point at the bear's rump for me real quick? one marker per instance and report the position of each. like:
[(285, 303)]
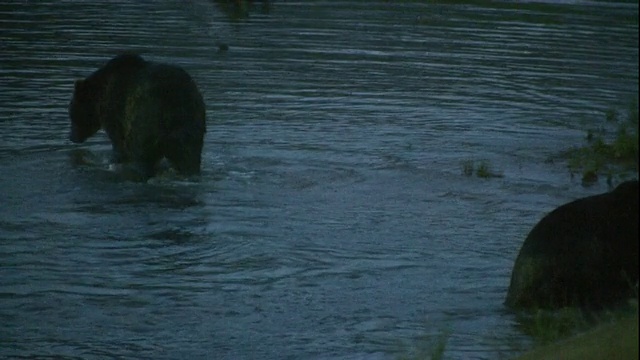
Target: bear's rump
[(163, 108)]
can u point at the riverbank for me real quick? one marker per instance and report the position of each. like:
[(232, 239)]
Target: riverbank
[(613, 340)]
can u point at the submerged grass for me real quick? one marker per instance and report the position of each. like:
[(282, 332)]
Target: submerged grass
[(482, 169)]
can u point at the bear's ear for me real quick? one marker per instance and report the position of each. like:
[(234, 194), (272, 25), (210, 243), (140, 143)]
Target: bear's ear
[(78, 84)]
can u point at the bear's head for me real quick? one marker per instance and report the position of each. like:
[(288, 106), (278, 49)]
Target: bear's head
[(83, 111)]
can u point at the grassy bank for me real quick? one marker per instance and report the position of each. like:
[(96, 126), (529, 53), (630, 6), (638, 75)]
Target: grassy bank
[(612, 340)]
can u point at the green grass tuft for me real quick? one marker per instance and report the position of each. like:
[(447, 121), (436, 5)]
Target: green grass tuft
[(546, 326), (482, 170), (611, 150)]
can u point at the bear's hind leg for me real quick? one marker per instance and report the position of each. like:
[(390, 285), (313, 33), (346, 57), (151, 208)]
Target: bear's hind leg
[(184, 153), (185, 159)]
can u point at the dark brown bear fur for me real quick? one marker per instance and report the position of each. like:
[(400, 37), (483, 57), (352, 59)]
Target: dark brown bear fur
[(583, 254), (149, 111)]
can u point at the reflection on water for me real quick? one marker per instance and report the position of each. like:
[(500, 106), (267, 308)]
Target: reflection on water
[(332, 218)]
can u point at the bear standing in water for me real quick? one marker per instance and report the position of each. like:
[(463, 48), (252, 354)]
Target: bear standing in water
[(149, 111), (583, 253)]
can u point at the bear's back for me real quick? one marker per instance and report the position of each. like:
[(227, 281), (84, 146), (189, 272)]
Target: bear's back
[(118, 70), (172, 88), (169, 80)]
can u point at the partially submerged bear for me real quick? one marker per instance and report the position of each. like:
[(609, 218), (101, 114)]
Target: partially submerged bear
[(583, 254), (150, 111)]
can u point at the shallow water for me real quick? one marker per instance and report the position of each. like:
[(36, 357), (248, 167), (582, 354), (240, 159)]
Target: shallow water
[(332, 219)]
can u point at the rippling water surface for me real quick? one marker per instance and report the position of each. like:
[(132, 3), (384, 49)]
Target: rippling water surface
[(332, 219)]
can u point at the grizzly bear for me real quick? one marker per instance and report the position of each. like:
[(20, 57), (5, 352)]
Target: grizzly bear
[(582, 254), (150, 111)]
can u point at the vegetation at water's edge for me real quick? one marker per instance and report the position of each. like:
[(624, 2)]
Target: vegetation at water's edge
[(611, 150), (614, 337), (547, 326), (568, 333)]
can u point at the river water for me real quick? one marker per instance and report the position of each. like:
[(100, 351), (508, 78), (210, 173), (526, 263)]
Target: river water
[(333, 218)]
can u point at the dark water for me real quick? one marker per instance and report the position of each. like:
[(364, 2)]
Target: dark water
[(333, 219)]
